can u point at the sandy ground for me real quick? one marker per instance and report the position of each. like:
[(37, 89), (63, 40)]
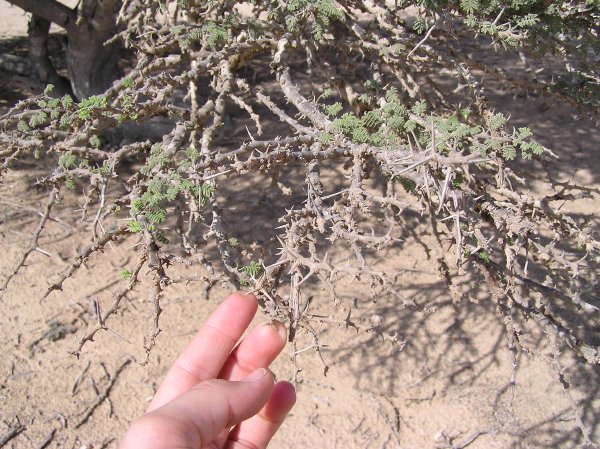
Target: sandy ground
[(13, 21), (446, 387)]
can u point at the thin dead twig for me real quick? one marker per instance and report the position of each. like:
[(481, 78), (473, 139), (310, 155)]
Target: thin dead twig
[(84, 253), (46, 441), (422, 41), (470, 439), (79, 379), (104, 395), (11, 434), (52, 199), (89, 336)]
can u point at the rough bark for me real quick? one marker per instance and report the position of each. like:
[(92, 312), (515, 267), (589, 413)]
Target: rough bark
[(92, 64), (41, 65)]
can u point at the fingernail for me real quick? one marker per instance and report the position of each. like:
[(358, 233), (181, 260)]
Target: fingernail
[(247, 294), (255, 375), (281, 330), (279, 327)]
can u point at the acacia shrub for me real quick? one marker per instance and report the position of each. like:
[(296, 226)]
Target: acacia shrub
[(383, 92)]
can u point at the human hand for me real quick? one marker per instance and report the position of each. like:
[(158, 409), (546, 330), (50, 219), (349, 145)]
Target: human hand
[(213, 387)]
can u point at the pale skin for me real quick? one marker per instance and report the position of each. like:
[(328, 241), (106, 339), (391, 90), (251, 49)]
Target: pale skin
[(216, 394)]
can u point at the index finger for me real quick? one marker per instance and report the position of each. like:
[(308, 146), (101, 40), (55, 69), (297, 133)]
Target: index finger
[(205, 355)]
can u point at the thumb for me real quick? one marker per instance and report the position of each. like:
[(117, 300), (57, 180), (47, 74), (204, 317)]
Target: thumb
[(197, 417)]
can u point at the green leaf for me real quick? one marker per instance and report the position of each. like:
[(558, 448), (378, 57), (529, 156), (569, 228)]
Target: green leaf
[(420, 25), (137, 206), (497, 121), (484, 255), (192, 154), (537, 149), (67, 160), (469, 6), (391, 95), (67, 101), (160, 236), (156, 214), (360, 135), (206, 192), (253, 269), (53, 103), (70, 182), (419, 108), (527, 21), (326, 138), (333, 109), (134, 226), (524, 133), (65, 121), (95, 142), (458, 181), (37, 119), (327, 93), (216, 35), (328, 9), (509, 152), (372, 119), (87, 105), (23, 126)]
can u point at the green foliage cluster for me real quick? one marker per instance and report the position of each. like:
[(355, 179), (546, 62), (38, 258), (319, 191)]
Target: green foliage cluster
[(88, 106), (252, 270), (396, 123), (384, 126), (164, 185), (298, 15), (515, 22), (64, 113), (53, 112), (215, 35)]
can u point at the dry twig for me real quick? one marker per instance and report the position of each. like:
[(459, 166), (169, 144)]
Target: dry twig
[(103, 396)]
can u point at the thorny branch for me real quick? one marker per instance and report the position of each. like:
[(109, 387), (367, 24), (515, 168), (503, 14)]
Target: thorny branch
[(114, 308), (83, 255), (33, 246)]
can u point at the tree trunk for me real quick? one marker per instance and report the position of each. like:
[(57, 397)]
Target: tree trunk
[(38, 56), (92, 64)]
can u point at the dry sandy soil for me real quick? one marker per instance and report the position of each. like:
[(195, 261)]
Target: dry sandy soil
[(446, 387)]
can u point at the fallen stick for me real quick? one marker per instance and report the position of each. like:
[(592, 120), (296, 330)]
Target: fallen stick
[(47, 440), (79, 379), (467, 441), (11, 434), (102, 397)]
